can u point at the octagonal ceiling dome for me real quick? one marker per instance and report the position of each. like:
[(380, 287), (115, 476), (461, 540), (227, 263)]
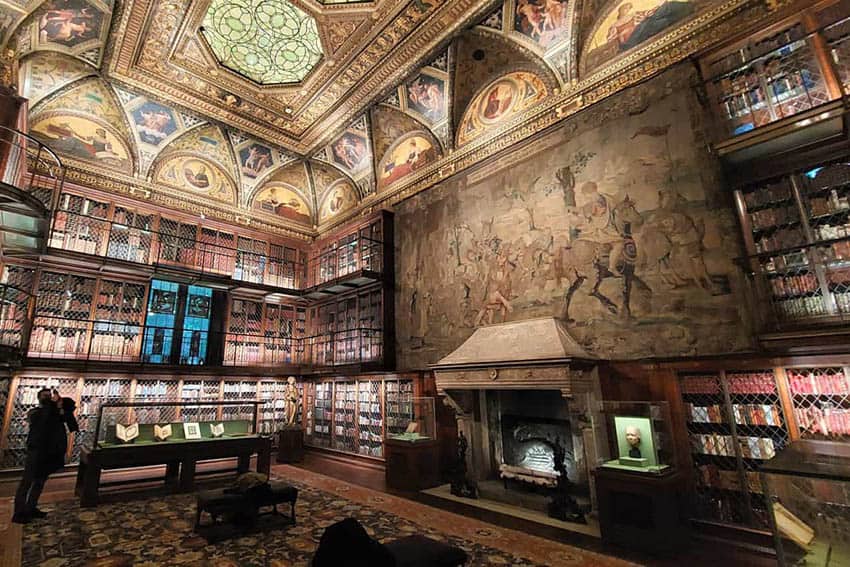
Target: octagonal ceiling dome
[(268, 41)]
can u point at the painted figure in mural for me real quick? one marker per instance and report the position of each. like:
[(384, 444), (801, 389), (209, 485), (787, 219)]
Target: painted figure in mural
[(544, 21), (672, 243), (255, 160), (290, 397), (66, 139), (497, 291), (498, 100), (66, 25), (598, 225), (349, 151), (633, 27), (604, 248), (153, 124), (407, 158), (198, 179), (425, 95)]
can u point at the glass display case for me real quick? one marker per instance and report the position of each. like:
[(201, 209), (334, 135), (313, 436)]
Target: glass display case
[(808, 487), (639, 437), (411, 419), (143, 423)]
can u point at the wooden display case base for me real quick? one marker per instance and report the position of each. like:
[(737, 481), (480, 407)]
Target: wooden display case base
[(290, 445), (412, 466), (642, 511)]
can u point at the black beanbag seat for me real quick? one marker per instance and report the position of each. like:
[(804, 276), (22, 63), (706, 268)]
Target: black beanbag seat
[(420, 551), (346, 544)]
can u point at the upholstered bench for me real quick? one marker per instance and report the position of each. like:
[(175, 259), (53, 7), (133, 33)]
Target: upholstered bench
[(227, 503)]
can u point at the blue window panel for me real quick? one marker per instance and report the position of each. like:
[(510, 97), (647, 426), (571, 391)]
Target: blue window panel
[(160, 322), (196, 325)]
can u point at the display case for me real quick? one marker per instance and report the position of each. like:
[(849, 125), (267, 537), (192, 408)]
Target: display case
[(808, 487), (412, 419), (639, 437), (141, 423)]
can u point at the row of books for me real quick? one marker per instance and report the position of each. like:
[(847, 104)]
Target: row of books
[(751, 383), (709, 384), (745, 414), (722, 445), (799, 308), (832, 381), (107, 389), (831, 422), (49, 340), (794, 285), (767, 195), (757, 414)]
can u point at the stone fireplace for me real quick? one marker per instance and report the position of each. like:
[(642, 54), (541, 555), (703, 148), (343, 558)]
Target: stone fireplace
[(517, 389)]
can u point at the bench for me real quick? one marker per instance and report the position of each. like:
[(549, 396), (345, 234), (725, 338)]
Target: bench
[(224, 504)]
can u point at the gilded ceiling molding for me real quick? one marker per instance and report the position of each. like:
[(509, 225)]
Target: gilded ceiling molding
[(708, 28), (394, 46)]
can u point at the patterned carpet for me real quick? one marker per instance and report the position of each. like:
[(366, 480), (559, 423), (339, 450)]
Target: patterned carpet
[(158, 532)]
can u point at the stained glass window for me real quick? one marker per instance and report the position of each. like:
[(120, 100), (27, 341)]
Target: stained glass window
[(269, 41)]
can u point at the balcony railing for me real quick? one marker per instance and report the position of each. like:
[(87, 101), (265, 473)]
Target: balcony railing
[(347, 257), (802, 286), (115, 341), (31, 179), (14, 308), (136, 242)]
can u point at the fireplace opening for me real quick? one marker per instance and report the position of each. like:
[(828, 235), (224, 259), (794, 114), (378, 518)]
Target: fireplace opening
[(528, 443)]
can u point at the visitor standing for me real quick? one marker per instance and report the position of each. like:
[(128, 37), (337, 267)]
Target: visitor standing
[(47, 443)]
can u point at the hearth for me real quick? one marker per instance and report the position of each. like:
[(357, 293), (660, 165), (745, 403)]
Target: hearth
[(523, 392)]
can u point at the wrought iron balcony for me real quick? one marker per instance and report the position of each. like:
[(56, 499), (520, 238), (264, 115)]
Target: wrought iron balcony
[(31, 179), (117, 341)]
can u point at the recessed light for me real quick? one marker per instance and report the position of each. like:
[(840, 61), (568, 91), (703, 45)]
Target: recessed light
[(288, 110)]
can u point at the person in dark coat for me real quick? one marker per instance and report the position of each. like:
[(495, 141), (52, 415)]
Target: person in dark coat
[(47, 443)]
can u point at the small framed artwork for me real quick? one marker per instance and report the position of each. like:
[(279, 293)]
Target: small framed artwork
[(199, 306), (192, 430), (164, 302)]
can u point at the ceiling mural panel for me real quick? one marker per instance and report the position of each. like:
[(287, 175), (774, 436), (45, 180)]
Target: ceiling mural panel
[(388, 125), (341, 197), (75, 27), (502, 99), (44, 73), (629, 23), (405, 157), (207, 141), (197, 175), (294, 175), (85, 138), (89, 96), (280, 200), (268, 41), (545, 22), (351, 151), (482, 56)]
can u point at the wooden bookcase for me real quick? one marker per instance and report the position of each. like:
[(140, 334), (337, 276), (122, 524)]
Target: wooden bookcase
[(353, 414), (91, 390), (734, 418)]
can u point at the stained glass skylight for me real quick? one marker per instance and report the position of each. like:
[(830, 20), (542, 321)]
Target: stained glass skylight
[(268, 41)]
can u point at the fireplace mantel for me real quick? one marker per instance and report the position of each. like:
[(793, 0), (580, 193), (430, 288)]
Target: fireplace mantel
[(532, 354)]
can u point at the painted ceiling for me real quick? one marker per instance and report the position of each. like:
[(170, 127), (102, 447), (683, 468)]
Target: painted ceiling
[(295, 112)]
